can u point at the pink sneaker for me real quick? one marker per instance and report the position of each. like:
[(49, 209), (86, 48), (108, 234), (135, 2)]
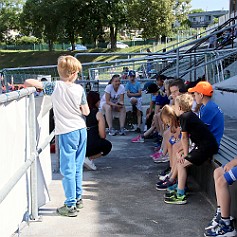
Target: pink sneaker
[(138, 139), (156, 154)]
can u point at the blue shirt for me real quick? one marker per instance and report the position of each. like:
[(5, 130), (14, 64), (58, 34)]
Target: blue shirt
[(213, 117), (133, 87), (162, 100)]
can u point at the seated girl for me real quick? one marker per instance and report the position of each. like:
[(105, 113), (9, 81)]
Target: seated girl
[(97, 145)]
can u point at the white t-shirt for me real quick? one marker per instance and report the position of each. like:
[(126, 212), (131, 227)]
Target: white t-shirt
[(114, 95), (66, 100)]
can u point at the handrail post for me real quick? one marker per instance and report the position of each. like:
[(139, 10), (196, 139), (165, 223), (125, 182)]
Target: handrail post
[(33, 168), (177, 63), (206, 70)]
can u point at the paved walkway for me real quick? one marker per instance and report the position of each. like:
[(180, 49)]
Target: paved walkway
[(120, 199)]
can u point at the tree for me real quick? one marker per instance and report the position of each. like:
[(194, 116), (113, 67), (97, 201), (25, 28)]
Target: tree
[(9, 16), (114, 15), (196, 10), (155, 17), (182, 9), (41, 18)]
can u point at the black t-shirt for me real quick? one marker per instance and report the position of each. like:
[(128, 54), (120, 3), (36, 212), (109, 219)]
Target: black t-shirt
[(198, 131), (92, 126)]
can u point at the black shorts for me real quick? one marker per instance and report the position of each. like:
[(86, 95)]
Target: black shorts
[(98, 146), (199, 155)]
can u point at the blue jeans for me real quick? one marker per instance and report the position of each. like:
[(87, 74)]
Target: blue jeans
[(72, 148)]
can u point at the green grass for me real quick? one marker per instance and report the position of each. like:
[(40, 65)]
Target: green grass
[(24, 58)]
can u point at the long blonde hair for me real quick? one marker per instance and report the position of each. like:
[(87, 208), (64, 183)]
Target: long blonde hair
[(67, 65), (168, 113)]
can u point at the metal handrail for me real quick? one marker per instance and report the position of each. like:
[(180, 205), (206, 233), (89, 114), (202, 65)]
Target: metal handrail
[(34, 151)]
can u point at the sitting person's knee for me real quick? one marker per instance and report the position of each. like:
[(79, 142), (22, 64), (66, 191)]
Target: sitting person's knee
[(218, 172), (133, 101)]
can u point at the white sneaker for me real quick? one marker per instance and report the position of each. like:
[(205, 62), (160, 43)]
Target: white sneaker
[(89, 164), (163, 177), (112, 132)]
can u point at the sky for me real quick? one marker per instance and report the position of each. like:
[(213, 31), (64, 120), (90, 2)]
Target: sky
[(210, 5)]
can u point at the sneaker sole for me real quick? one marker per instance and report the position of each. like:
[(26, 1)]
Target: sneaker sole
[(161, 189), (228, 234), (68, 215), (160, 161), (176, 203), (88, 167)]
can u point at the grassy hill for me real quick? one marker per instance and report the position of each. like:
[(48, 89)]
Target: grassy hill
[(13, 59)]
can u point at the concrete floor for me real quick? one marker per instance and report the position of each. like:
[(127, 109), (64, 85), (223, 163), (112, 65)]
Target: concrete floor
[(120, 199)]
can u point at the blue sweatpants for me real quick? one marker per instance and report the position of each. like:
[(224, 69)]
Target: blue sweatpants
[(72, 148)]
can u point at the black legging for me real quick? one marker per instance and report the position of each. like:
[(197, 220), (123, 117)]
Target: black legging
[(99, 146)]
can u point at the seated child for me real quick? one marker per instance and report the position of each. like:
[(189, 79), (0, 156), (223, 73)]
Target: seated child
[(221, 224), (205, 145)]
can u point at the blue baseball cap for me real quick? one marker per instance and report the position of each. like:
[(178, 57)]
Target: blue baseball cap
[(131, 73)]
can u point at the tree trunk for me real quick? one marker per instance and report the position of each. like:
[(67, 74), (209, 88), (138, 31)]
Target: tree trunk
[(50, 44), (113, 36), (72, 40)]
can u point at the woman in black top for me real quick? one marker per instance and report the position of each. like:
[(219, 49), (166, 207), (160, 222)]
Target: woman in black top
[(97, 145)]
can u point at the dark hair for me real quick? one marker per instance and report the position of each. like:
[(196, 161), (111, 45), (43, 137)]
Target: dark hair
[(177, 82), (92, 98), (161, 77), (114, 76)]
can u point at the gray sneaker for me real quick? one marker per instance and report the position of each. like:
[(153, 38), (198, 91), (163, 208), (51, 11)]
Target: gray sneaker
[(122, 132), (79, 204), (67, 211), (112, 132)]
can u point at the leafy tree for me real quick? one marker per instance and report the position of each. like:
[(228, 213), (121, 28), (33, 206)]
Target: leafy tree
[(155, 17), (196, 10), (182, 9), (9, 16), (41, 18), (114, 15)]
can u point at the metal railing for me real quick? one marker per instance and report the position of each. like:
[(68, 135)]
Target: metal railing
[(34, 149)]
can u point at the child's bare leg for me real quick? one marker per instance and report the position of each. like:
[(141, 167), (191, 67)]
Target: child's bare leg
[(222, 192), (182, 175), (149, 131)]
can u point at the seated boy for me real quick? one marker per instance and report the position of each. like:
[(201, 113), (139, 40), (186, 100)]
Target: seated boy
[(209, 113), (221, 224), (134, 93), (205, 145)]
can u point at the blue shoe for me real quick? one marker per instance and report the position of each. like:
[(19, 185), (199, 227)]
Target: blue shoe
[(221, 230)]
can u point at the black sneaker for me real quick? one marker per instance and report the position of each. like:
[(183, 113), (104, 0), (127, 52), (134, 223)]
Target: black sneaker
[(138, 130), (162, 181), (165, 171), (165, 185)]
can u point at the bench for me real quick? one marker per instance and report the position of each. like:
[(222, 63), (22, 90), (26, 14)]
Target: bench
[(204, 175), (227, 151)]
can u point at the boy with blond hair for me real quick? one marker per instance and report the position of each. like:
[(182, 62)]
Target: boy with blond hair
[(69, 106), (205, 145)]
